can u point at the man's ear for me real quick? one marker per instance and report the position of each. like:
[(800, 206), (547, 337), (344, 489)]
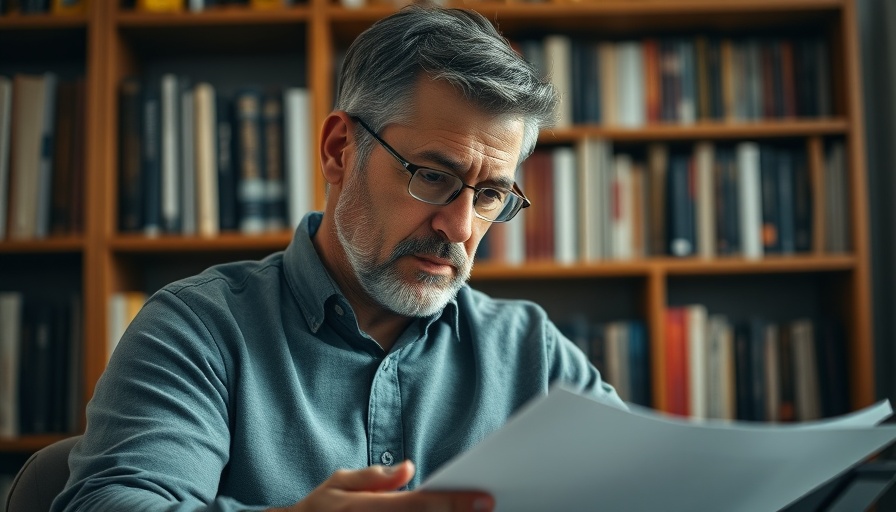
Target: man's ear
[(335, 141)]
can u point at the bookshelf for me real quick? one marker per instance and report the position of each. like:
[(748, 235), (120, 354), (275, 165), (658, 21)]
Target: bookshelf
[(300, 44)]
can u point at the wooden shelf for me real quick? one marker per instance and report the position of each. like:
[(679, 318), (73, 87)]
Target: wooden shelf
[(223, 242), (41, 21), (71, 244), (669, 266)]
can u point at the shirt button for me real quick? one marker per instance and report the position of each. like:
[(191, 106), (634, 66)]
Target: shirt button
[(339, 310), (387, 458)]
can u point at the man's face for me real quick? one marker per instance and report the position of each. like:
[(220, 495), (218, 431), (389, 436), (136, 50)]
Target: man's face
[(409, 256)]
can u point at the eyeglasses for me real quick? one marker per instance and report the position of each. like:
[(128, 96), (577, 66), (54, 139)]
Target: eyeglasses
[(439, 187)]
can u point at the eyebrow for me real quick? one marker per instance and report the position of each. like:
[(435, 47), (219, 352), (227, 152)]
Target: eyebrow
[(446, 163)]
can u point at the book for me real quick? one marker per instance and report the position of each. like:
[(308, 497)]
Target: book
[(150, 166), (275, 195), (5, 140), (225, 133), (170, 142), (704, 170), (45, 168), (187, 157), (10, 336), (720, 376), (130, 151), (622, 208), (251, 181), (696, 350), (62, 202), (749, 199), (297, 131), (558, 58), (30, 94), (565, 206), (207, 220), (680, 203), (630, 84), (676, 362)]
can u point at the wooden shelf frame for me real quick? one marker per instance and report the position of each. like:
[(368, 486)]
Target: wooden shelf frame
[(324, 27)]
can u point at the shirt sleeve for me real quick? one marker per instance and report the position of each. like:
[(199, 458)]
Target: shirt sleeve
[(571, 367), (157, 433)]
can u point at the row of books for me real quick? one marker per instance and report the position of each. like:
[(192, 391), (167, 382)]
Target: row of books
[(201, 5), (590, 203), (42, 139), (40, 359), (194, 162), (754, 370), (61, 7), (619, 350), (684, 79)]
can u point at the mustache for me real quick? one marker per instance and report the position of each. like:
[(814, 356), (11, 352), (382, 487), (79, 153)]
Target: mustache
[(430, 245)]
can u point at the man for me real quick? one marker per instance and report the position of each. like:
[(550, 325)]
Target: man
[(358, 361)]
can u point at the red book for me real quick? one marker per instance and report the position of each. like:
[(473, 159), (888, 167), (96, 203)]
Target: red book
[(677, 391)]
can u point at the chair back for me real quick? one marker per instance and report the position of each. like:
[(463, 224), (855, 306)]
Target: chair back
[(41, 479)]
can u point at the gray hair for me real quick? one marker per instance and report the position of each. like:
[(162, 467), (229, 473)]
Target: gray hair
[(459, 46)]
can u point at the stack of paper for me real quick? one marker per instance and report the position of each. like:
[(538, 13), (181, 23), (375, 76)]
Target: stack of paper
[(568, 452)]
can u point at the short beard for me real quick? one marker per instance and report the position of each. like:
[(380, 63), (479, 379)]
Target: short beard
[(382, 282)]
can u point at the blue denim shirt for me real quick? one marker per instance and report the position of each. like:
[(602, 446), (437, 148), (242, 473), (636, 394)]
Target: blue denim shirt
[(249, 384)]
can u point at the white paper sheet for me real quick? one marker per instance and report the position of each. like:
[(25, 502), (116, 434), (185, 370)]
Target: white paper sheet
[(567, 452)]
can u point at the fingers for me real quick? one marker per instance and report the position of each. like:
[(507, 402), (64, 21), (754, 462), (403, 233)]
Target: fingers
[(373, 478)]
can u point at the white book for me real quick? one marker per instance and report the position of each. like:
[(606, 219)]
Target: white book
[(630, 103), (697, 361), (720, 376), (10, 341), (622, 214), (207, 219), (558, 60), (45, 177), (706, 214), (170, 153), (748, 185), (565, 206), (299, 140), (188, 162), (590, 157), (5, 137), (516, 241), (27, 118)]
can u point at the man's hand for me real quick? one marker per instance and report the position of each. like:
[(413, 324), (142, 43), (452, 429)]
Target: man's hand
[(372, 490)]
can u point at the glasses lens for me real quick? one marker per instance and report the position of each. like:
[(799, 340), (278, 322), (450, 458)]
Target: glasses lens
[(504, 211), (434, 187)]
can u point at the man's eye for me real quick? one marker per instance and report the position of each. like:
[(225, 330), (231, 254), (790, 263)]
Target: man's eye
[(490, 198), (433, 177)]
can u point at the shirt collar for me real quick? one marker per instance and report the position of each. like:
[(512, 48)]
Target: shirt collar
[(312, 286)]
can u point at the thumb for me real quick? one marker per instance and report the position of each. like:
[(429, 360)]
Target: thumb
[(373, 478)]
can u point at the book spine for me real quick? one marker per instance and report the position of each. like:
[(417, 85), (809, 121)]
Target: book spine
[(227, 183), (250, 165), (749, 200), (207, 216), (151, 164), (169, 156), (130, 196), (297, 103), (273, 158), (5, 140)]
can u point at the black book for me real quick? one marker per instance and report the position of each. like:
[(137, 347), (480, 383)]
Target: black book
[(768, 172), (681, 229), (130, 155), (228, 216), (151, 164)]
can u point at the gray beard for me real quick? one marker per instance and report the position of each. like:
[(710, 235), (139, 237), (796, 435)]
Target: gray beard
[(382, 282)]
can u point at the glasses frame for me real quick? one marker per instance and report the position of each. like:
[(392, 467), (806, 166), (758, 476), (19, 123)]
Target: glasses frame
[(413, 168)]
